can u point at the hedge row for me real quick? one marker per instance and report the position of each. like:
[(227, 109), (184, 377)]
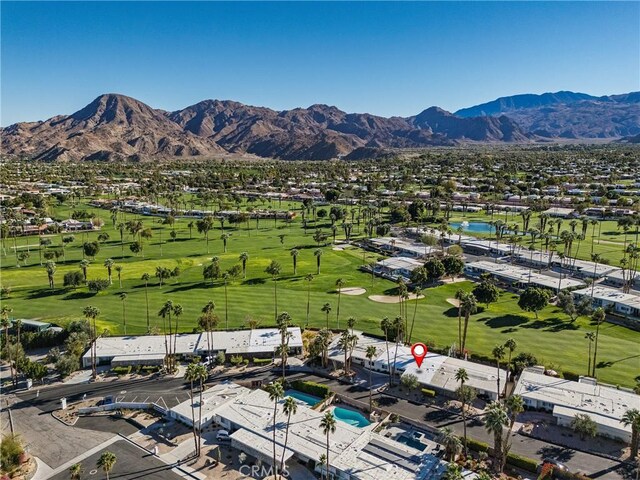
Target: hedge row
[(477, 446), (428, 392), (261, 361), (121, 370), (522, 462), (570, 376), (312, 388)]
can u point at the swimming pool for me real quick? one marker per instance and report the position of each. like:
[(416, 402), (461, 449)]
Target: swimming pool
[(351, 417), (303, 397), (473, 227), (411, 442)]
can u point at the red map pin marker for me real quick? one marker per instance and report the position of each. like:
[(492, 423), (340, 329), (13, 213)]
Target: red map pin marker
[(419, 351)]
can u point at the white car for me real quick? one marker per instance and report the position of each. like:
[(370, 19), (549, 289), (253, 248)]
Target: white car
[(222, 435)]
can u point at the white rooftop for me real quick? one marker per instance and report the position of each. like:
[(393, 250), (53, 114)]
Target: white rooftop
[(605, 404)]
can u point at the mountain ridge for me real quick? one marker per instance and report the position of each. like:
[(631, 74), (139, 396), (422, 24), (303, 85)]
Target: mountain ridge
[(118, 127)]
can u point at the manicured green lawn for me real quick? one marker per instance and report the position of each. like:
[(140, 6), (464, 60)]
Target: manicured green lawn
[(552, 338)]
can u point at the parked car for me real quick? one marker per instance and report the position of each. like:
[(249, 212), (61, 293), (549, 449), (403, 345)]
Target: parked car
[(223, 436)]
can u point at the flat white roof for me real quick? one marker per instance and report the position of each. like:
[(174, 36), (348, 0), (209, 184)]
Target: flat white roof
[(605, 404), (261, 340), (397, 263), (609, 294), (523, 275), (367, 455)]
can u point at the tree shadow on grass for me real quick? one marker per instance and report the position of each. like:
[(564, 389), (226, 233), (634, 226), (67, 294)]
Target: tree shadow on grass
[(451, 312), (254, 281), (554, 324), (81, 295), (505, 321), (45, 292), (191, 286)]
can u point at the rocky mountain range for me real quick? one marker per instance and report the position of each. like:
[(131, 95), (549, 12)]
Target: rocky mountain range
[(567, 115), (117, 127)]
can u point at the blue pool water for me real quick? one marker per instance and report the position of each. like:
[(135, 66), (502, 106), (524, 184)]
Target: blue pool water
[(351, 417), (303, 397), (407, 440), (473, 227)]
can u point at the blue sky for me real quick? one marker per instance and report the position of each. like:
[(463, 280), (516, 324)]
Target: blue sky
[(384, 58)]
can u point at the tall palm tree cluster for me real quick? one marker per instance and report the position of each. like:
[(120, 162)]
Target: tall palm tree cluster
[(168, 311)]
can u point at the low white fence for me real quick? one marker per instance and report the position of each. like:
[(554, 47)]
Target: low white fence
[(123, 406)]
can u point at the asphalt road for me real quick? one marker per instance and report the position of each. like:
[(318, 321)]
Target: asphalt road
[(131, 463)]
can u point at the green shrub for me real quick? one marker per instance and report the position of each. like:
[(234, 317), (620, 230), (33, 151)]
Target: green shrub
[(312, 388), (11, 450), (245, 362), (236, 359), (261, 361), (428, 392), (522, 462), (150, 368), (477, 446), (121, 370)]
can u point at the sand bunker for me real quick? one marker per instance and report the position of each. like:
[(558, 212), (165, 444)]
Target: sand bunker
[(339, 249), (352, 291), (455, 280), (454, 301), (392, 298)]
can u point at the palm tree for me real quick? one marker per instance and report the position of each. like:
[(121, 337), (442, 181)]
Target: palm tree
[(498, 354), (326, 308), (123, 298), (276, 392), (119, 271), (351, 322), (165, 312), (510, 345), (177, 312), (283, 323), (50, 267), (385, 326), (598, 317), (274, 270), (91, 313), (208, 321), (294, 256), (106, 461), (75, 471), (451, 442), (84, 264), (328, 425), (496, 418), (191, 376), (224, 237), (462, 376), (290, 407), (371, 354), (339, 285), (109, 263), (590, 336), (145, 278), (398, 327), (417, 292), (632, 418), (244, 256), (318, 254), (201, 375), (309, 279), (469, 306), (322, 461)]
